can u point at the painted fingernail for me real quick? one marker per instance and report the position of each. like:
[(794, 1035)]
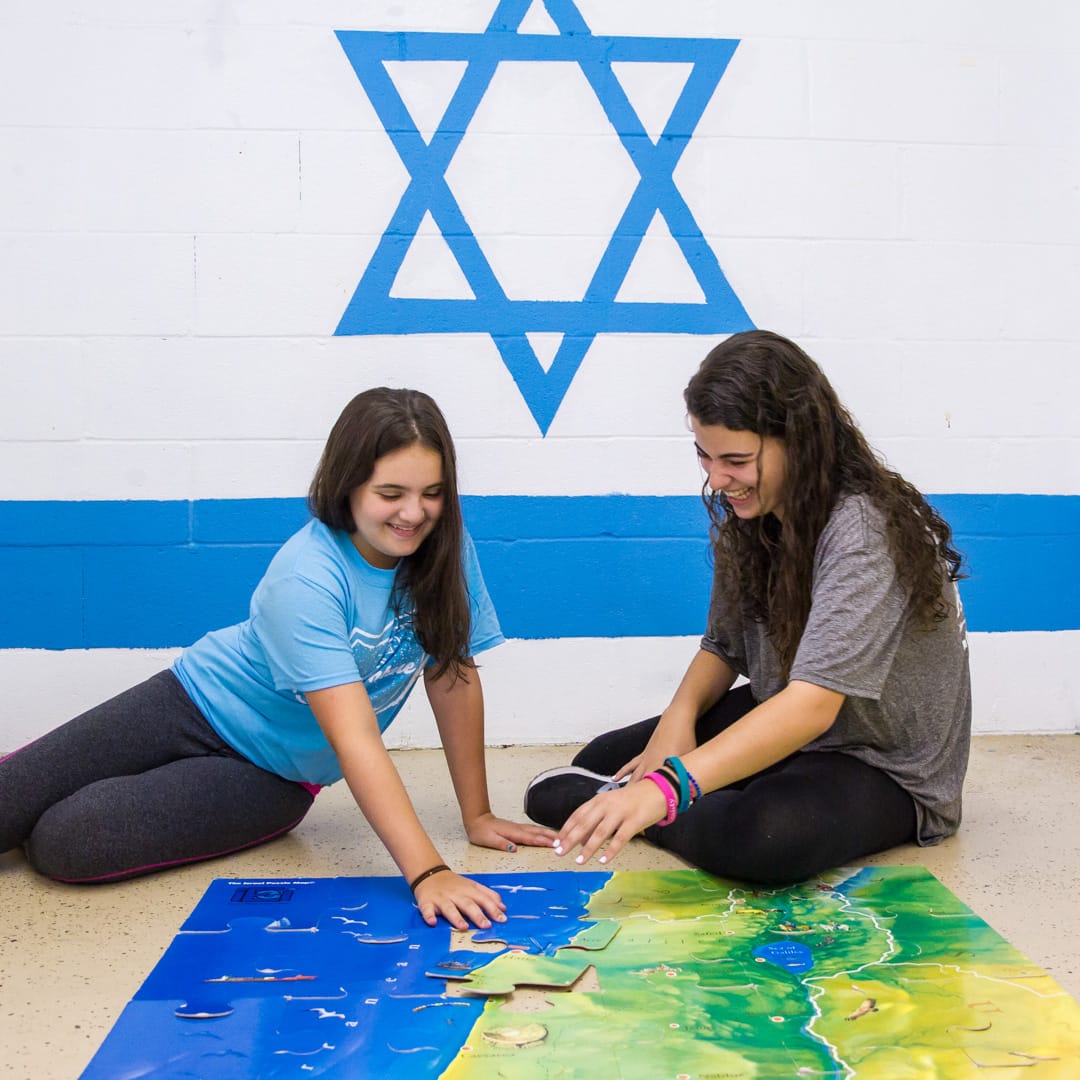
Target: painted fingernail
[(511, 847), (558, 850), (580, 859), (555, 843), (603, 858)]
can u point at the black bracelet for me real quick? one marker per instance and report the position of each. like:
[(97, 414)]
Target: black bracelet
[(667, 771), (426, 874)]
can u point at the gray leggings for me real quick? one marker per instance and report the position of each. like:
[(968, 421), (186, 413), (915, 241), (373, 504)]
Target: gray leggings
[(138, 784)]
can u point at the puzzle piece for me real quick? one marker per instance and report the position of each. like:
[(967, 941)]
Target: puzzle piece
[(459, 964), (543, 917), (594, 937), (511, 969)]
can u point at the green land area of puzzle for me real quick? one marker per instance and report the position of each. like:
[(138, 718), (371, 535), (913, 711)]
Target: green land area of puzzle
[(879, 974)]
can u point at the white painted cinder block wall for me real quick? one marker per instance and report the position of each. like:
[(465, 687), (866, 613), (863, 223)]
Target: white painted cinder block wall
[(190, 192)]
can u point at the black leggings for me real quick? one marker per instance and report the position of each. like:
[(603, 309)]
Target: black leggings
[(138, 784), (808, 813)]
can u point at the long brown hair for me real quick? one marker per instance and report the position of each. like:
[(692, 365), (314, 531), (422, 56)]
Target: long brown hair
[(761, 382), (375, 423)]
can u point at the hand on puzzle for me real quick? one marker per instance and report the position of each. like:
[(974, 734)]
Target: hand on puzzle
[(611, 818), (459, 900), (502, 835)]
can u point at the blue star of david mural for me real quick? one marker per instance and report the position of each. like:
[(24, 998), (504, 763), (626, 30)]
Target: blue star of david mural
[(373, 310)]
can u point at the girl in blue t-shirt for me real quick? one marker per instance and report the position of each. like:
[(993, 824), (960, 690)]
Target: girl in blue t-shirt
[(228, 748)]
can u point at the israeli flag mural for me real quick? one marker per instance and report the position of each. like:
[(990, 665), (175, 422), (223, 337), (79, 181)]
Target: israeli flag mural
[(220, 222), (655, 198)]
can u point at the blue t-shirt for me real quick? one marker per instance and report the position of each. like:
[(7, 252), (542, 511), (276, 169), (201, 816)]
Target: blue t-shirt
[(321, 616)]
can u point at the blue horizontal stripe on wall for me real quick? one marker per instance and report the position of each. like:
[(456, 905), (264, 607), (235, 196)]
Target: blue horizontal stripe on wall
[(159, 574)]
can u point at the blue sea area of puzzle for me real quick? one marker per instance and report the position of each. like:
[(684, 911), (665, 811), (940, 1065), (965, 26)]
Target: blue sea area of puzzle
[(312, 977)]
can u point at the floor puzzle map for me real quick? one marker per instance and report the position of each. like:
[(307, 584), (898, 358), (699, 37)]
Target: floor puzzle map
[(665, 975)]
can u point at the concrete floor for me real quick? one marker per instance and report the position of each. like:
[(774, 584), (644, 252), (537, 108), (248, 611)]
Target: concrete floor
[(72, 956)]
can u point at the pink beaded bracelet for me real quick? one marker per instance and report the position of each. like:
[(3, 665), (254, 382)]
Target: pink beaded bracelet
[(668, 792)]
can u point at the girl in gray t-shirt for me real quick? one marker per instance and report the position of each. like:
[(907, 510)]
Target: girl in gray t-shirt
[(834, 594)]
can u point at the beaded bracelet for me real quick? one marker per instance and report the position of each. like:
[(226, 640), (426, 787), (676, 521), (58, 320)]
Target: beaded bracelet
[(696, 794), (425, 875), (668, 792)]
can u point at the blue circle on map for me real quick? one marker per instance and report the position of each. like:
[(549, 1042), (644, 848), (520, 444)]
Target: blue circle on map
[(790, 955)]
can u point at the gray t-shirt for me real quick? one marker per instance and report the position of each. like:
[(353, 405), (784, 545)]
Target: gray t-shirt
[(907, 709)]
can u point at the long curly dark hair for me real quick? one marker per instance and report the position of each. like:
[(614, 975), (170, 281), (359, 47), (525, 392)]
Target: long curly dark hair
[(375, 423), (761, 382)]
